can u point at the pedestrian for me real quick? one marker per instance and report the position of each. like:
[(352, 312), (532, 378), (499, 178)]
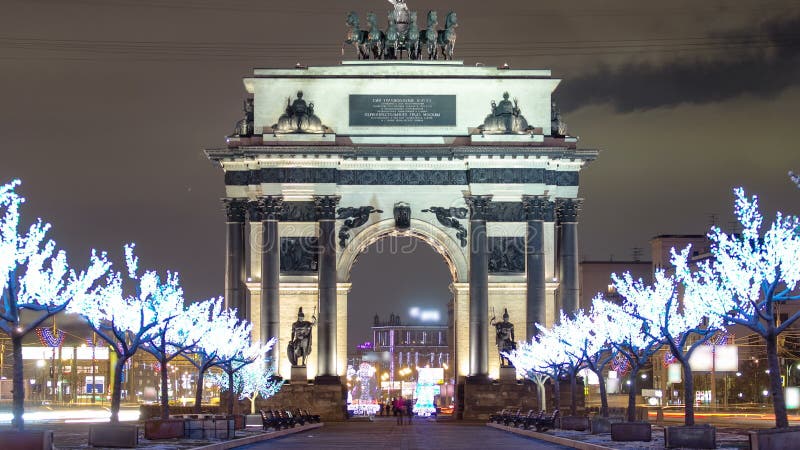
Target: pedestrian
[(409, 407), (399, 406)]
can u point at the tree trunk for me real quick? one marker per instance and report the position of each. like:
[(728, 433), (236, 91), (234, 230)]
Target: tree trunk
[(542, 393), (632, 396), (164, 392), (230, 393), (557, 393), (116, 394), (778, 399), (253, 403), (688, 391), (18, 385), (603, 393), (198, 390), (573, 395)]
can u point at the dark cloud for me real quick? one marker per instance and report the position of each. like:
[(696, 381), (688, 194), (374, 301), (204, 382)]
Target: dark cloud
[(761, 62)]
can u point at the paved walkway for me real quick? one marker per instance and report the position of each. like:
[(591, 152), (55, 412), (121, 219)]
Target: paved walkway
[(384, 433)]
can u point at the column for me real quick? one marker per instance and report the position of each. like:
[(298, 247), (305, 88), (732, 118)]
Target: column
[(270, 208), (567, 210), (537, 209), (235, 290), (326, 248), (478, 286)]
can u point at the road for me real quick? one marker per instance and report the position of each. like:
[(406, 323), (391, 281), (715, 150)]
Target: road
[(384, 433)]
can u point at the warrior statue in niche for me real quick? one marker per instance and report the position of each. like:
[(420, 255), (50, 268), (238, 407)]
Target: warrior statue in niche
[(504, 337), (300, 345)]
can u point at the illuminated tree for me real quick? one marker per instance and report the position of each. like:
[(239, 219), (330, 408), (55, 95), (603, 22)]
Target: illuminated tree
[(36, 281), (747, 275), (541, 358), (633, 338), (682, 327), (240, 357), (590, 342), (571, 335), (179, 328), (125, 322), (251, 382), (225, 334)]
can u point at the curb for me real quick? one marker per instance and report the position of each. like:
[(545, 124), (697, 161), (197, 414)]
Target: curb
[(258, 438), (549, 438)]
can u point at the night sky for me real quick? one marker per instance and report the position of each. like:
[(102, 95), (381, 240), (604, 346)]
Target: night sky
[(107, 105)]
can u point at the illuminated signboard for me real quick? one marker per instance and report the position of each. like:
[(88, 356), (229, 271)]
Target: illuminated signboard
[(430, 375), (67, 353), (725, 358)]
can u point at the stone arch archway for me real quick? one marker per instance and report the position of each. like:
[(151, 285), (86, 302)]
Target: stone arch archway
[(443, 243), (434, 236)]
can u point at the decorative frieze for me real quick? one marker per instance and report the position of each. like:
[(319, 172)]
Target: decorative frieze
[(330, 175), (299, 211), (506, 212), (507, 254), (299, 255), (402, 177)]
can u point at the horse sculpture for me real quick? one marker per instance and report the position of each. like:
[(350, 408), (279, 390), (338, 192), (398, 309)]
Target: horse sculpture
[(375, 37), (355, 36), (392, 45), (412, 40), (447, 37), (430, 36), (401, 36)]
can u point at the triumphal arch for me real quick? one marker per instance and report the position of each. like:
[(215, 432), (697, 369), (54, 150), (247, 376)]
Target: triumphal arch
[(473, 160)]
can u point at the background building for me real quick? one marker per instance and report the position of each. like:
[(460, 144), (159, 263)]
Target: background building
[(402, 349)]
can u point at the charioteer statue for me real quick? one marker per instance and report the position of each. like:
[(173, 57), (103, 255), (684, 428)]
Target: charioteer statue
[(403, 34), (504, 337), (300, 345), (401, 15)]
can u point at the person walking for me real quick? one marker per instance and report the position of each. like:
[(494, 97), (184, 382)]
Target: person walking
[(399, 406), (409, 407)]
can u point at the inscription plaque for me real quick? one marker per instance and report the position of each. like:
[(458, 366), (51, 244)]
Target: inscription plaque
[(402, 110)]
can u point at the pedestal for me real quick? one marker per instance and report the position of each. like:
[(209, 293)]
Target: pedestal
[(480, 400), (329, 401), (299, 374), (508, 375)]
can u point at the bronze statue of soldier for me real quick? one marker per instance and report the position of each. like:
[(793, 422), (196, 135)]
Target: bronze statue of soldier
[(504, 337), (300, 344)]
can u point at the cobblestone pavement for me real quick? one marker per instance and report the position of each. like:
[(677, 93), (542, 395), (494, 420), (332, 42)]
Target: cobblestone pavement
[(422, 434)]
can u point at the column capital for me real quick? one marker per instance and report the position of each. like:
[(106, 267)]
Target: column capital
[(235, 209), (271, 207), (254, 211), (538, 207), (326, 206), (567, 209), (479, 206)]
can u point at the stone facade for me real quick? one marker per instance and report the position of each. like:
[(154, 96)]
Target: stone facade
[(326, 400), (414, 140)]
